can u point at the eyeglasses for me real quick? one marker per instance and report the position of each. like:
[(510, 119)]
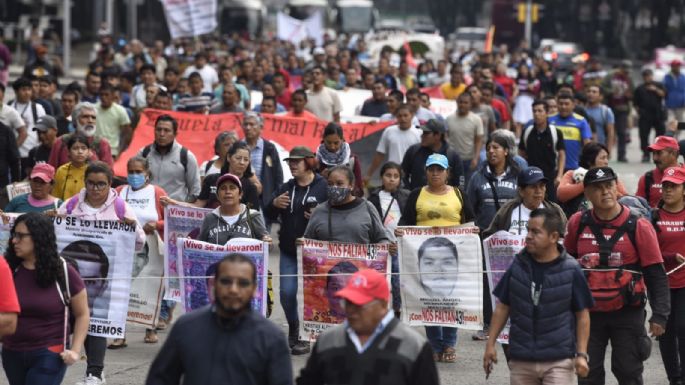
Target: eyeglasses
[(96, 185), (241, 282), (19, 236)]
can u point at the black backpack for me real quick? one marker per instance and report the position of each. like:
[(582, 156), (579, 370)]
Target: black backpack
[(184, 155), (649, 181)]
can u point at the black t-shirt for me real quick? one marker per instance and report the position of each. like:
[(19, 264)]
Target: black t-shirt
[(582, 296), (208, 192), (38, 154), (539, 148), (648, 102)]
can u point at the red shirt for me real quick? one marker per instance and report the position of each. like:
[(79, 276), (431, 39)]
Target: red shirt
[(60, 153), (507, 83), (284, 99), (502, 109), (8, 296), (671, 232), (654, 189), (648, 252)]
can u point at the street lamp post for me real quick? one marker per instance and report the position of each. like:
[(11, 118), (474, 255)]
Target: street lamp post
[(66, 37)]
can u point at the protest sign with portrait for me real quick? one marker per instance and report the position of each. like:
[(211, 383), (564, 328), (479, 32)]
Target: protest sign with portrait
[(146, 291), (102, 252), (325, 268), (179, 222), (6, 223), (441, 282), (500, 249), (199, 260)]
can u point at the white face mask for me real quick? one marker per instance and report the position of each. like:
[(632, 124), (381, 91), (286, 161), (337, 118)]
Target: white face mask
[(88, 130)]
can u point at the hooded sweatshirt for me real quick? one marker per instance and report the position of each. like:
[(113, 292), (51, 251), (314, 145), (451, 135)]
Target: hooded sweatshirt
[(216, 230), (481, 197), (293, 222)]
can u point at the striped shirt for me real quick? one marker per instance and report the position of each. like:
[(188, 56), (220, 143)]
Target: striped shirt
[(194, 103)]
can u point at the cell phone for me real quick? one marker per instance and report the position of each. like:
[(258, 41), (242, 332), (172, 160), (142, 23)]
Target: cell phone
[(310, 203)]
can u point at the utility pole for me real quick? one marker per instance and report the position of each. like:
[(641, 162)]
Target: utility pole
[(529, 23), (66, 37)]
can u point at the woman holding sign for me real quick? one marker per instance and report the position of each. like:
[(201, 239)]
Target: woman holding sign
[(668, 221), (436, 204), (144, 199), (48, 290), (99, 201), (39, 199)]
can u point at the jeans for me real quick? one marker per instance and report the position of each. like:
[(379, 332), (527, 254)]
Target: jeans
[(441, 337), (395, 283), (467, 172), (288, 286), (36, 367), (166, 309), (672, 343), (96, 347)]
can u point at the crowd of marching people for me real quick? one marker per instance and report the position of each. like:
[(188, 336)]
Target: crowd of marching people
[(527, 150)]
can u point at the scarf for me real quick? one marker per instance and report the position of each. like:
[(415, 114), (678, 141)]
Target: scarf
[(328, 158)]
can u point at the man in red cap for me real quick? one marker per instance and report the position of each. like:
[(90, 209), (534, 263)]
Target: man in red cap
[(371, 346), (665, 152), (674, 82)]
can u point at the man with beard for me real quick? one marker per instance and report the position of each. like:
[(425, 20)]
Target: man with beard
[(84, 117), (244, 347), (665, 151)]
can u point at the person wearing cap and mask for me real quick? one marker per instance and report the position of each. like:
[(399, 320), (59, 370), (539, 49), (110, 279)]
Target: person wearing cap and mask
[(39, 199), (232, 219), (84, 118), (371, 346), (293, 203), (674, 83), (622, 261), (514, 215), (665, 151), (432, 142), (673, 251)]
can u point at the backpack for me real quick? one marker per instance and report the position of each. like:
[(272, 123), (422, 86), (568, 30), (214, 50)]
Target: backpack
[(552, 130), (184, 156), (119, 206), (613, 284)]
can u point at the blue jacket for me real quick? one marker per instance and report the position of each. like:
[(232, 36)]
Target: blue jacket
[(481, 198), (293, 222), (546, 332), (675, 90)]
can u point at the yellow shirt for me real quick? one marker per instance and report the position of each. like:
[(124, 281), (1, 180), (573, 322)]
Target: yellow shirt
[(438, 210), (69, 180), (452, 93)]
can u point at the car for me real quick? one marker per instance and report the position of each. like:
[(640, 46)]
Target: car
[(562, 54), (467, 38), (661, 65)]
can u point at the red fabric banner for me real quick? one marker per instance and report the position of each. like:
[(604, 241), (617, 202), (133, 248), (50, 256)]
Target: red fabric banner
[(434, 91), (197, 132)]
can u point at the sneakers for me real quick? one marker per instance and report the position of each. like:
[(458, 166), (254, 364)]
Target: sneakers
[(92, 380), (481, 335), (299, 348)]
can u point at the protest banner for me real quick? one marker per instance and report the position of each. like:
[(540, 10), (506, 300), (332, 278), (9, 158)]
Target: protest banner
[(179, 222), (294, 30), (500, 249), (441, 282), (190, 18), (146, 292), (195, 131), (332, 264), (16, 189), (6, 223), (199, 259), (102, 252)]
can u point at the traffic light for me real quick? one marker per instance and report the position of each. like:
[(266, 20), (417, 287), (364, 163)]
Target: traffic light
[(521, 9)]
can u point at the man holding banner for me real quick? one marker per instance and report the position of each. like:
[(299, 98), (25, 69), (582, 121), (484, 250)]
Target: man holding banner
[(227, 342), (549, 334)]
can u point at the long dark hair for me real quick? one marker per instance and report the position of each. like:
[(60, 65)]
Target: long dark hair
[(240, 145), (509, 161), (48, 265)]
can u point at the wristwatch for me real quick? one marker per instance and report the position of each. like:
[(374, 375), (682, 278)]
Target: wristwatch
[(584, 355)]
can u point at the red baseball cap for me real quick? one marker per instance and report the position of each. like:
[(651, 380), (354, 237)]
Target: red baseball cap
[(43, 171), (676, 62), (229, 178), (662, 142), (365, 286), (674, 175)]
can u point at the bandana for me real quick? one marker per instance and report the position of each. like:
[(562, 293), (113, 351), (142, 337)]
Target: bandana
[(328, 158)]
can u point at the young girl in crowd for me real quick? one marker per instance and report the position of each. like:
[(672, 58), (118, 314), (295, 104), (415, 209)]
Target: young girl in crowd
[(335, 151), (69, 178), (390, 200)]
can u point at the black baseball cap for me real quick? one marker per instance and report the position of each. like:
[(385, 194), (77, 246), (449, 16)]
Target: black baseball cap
[(433, 125), (45, 123), (599, 175), (530, 176)]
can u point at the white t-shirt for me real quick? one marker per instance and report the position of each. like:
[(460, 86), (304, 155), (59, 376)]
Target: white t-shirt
[(395, 142), (10, 117), (393, 217), (231, 219), (208, 75), (324, 104), (387, 117), (519, 219), (26, 114), (142, 202), (90, 210)]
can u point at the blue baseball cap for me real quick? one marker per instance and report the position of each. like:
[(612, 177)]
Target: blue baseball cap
[(438, 159), (531, 175)]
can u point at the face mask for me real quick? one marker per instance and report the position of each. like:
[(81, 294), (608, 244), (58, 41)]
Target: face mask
[(88, 130), (337, 195), (136, 180)]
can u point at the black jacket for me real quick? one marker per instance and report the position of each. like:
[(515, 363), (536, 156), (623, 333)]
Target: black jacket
[(409, 212), (272, 172), (401, 196), (10, 169), (414, 166), (204, 350)]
